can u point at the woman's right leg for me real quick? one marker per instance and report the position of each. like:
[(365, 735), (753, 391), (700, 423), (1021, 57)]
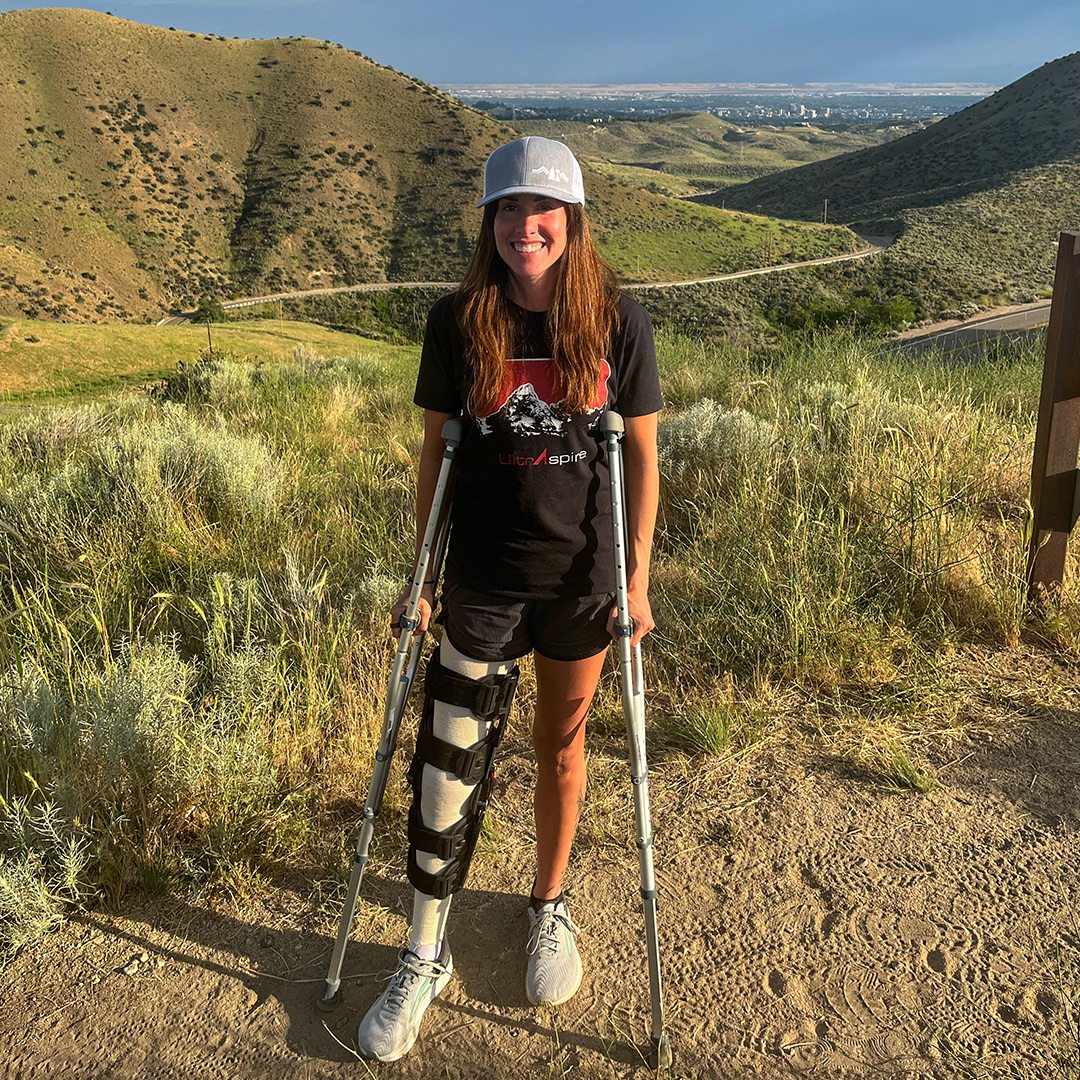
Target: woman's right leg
[(392, 1024), (444, 798)]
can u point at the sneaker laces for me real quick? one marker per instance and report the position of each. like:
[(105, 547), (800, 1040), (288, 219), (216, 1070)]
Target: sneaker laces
[(545, 931), (404, 978)]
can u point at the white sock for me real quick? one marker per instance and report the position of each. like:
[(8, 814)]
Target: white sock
[(426, 952)]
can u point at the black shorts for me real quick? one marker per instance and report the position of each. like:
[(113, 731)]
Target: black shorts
[(493, 628)]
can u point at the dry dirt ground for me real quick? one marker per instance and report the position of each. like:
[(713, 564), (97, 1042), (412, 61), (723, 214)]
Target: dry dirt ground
[(812, 922)]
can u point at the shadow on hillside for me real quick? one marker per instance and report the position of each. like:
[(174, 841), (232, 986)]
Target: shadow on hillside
[(288, 965)]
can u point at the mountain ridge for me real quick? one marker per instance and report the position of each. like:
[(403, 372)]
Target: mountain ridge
[(152, 166), (1032, 122)]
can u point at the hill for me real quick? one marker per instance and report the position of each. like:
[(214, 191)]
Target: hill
[(150, 166), (977, 199), (691, 152)]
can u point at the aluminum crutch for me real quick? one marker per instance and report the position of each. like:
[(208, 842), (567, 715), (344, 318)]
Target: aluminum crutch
[(633, 694), (406, 662)]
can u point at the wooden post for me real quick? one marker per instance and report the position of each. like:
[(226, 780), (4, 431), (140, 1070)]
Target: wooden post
[(1055, 499)]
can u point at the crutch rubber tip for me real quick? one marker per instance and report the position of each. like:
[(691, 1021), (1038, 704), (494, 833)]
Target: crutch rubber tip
[(329, 1002), (662, 1051)]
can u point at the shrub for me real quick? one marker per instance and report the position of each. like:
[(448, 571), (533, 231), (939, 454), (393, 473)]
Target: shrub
[(710, 445)]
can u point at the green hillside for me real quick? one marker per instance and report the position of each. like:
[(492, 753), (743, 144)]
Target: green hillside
[(150, 166), (687, 152), (977, 199)]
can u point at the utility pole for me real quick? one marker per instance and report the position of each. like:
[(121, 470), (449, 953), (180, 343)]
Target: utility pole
[(825, 214)]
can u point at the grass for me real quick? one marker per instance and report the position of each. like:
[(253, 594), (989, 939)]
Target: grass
[(69, 359), (684, 240), (194, 655)]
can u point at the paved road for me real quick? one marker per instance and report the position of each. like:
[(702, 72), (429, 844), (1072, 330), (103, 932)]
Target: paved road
[(970, 340)]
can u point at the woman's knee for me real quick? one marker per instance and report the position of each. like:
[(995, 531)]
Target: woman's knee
[(558, 757)]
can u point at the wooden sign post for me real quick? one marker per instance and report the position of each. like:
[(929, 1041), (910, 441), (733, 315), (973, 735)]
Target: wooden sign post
[(1055, 493)]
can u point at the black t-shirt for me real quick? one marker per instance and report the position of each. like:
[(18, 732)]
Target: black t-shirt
[(532, 503)]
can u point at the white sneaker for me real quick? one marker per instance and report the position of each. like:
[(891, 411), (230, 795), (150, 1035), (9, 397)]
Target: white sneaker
[(392, 1024), (554, 972)]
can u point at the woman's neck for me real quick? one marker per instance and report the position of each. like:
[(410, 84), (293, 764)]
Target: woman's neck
[(532, 295)]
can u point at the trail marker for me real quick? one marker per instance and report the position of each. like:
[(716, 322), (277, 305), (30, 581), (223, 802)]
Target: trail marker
[(1055, 492)]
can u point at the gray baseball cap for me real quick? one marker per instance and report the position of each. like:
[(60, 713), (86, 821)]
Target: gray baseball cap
[(533, 166)]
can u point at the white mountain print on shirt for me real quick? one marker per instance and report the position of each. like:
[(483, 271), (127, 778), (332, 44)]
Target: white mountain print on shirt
[(528, 407)]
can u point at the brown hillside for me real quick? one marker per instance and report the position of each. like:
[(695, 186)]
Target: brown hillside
[(978, 200), (146, 167), (152, 165)]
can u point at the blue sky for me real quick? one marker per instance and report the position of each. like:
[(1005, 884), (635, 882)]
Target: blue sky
[(603, 41)]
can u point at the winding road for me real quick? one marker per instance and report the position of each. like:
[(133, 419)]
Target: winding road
[(875, 245), (965, 340)]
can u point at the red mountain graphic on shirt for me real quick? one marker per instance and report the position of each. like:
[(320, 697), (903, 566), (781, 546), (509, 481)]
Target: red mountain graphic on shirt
[(532, 397)]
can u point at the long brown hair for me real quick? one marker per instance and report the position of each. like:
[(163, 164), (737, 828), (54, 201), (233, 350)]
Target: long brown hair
[(583, 317)]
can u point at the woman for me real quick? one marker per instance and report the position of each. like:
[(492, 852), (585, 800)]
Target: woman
[(536, 343)]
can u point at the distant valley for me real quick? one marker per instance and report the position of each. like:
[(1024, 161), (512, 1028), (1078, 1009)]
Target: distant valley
[(977, 200)]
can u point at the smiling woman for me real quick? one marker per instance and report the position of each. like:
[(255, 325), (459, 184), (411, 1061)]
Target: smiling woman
[(531, 350), (530, 237)]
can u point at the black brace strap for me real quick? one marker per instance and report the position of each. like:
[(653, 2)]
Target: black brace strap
[(467, 763), (489, 699)]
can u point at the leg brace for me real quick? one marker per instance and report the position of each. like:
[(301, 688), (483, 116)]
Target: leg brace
[(488, 699)]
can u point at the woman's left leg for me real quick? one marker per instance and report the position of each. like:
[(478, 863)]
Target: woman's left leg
[(564, 691)]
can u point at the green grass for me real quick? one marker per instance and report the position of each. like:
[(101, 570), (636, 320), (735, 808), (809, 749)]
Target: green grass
[(685, 240), (56, 359), (196, 578)]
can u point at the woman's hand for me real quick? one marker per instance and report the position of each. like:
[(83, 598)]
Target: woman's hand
[(637, 600), (424, 608)]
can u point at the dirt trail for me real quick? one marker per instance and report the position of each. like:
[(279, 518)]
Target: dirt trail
[(812, 923)]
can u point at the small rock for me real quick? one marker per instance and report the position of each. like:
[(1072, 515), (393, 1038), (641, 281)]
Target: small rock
[(130, 968)]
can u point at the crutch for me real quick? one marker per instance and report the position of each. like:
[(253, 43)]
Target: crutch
[(406, 661), (633, 693)]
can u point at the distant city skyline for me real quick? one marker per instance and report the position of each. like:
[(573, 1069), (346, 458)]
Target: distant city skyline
[(634, 41)]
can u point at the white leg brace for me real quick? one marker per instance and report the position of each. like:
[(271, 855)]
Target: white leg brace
[(443, 795)]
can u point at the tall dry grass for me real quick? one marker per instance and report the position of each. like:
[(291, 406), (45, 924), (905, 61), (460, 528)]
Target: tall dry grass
[(195, 581)]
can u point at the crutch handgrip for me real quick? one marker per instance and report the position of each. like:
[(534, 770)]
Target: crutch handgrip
[(453, 431)]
